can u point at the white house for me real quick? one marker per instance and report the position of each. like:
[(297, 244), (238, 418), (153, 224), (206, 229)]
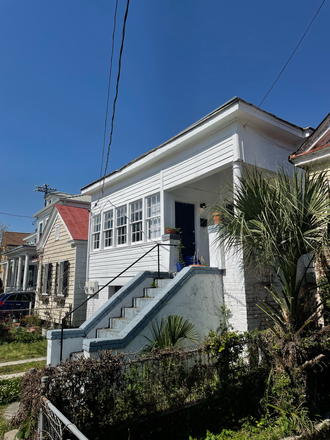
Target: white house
[(174, 184)]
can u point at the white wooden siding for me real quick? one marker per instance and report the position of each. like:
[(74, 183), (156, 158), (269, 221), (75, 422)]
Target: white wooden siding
[(129, 192), (106, 264), (198, 161)]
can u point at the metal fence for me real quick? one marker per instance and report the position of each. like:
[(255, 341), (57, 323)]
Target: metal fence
[(53, 425)]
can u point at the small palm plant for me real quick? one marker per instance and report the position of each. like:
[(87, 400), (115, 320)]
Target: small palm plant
[(275, 221), (170, 332)]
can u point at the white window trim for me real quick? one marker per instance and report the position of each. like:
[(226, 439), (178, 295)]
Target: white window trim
[(127, 227), (131, 223), (149, 218), (98, 232), (109, 229)]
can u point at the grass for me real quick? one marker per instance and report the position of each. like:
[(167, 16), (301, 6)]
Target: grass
[(3, 422), (11, 369), (16, 351)]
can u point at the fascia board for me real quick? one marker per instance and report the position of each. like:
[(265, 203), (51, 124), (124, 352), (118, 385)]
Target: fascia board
[(261, 115), (180, 142), (312, 157), (65, 226), (318, 139), (51, 220)]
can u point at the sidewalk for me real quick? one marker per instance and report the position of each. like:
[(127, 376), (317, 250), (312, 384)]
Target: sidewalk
[(24, 361)]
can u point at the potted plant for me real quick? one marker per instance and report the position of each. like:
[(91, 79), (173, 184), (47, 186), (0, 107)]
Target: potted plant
[(172, 230), (217, 218)]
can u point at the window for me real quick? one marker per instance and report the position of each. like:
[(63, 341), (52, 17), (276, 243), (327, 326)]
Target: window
[(63, 278), (40, 229), (121, 225), (108, 228), (47, 278), (153, 216), (57, 232), (136, 221), (96, 231)]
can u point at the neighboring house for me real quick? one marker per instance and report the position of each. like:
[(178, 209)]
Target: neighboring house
[(10, 241), (175, 184), (21, 256), (62, 251), (314, 154)]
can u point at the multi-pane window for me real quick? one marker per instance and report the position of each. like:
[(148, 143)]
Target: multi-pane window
[(153, 216), (108, 228), (47, 278), (121, 225), (63, 278), (96, 231), (136, 221)]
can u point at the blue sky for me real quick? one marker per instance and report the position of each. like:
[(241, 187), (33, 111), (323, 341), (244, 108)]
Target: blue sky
[(181, 60)]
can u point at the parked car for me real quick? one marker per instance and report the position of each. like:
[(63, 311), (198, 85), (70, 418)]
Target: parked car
[(15, 304)]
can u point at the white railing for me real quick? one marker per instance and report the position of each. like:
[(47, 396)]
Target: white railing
[(53, 425)]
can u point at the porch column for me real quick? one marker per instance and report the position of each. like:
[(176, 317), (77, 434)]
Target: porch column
[(26, 271), (12, 278), (6, 282), (19, 272)]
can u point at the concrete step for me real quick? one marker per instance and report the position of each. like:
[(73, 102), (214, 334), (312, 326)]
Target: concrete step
[(107, 333), (163, 282), (141, 302), (130, 312), (151, 292), (119, 323)]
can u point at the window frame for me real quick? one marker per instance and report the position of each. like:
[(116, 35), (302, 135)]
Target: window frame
[(149, 218), (121, 226), (97, 232), (106, 230), (135, 222)]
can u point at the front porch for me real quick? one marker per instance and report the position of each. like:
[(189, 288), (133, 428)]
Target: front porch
[(21, 269)]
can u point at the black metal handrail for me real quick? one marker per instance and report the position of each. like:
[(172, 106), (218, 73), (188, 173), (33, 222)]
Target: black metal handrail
[(68, 314)]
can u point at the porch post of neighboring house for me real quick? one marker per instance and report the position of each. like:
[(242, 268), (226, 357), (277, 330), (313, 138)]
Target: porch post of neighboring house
[(12, 279), (7, 273), (19, 272), (26, 271)]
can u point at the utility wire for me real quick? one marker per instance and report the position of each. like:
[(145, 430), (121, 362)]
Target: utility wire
[(286, 64), (110, 73), (116, 96), (16, 215)]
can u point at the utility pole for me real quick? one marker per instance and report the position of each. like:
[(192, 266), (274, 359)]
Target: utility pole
[(45, 189)]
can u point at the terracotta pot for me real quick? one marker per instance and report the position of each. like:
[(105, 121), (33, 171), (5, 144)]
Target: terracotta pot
[(216, 218), (170, 231)]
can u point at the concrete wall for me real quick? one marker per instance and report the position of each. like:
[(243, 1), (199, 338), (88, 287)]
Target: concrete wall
[(196, 293)]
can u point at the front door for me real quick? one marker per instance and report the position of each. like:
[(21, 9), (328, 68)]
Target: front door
[(185, 220)]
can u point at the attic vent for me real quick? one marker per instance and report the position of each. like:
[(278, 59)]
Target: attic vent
[(57, 232)]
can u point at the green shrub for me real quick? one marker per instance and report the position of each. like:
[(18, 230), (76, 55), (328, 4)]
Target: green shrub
[(9, 390), (19, 334)]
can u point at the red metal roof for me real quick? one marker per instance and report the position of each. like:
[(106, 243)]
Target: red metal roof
[(76, 220)]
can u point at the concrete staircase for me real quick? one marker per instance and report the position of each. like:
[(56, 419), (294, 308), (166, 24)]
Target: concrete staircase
[(122, 323), (118, 324)]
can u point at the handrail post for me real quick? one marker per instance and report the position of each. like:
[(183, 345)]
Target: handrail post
[(113, 279), (62, 331)]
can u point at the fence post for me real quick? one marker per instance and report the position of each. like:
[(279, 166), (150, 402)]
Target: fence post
[(41, 416)]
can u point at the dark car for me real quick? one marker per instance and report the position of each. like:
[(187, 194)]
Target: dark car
[(15, 304)]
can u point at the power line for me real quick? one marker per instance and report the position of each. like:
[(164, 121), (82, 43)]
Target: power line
[(278, 77), (117, 86), (16, 215), (110, 73)]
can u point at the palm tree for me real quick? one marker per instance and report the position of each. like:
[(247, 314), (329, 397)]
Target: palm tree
[(275, 221), (170, 333)]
